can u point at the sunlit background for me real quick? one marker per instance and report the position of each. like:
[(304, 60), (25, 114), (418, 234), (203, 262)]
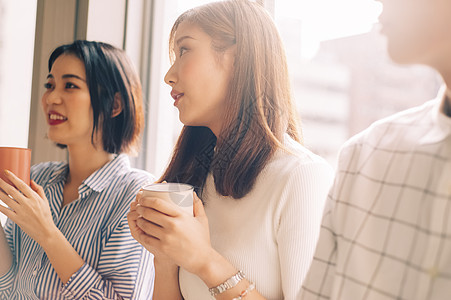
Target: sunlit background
[(322, 20)]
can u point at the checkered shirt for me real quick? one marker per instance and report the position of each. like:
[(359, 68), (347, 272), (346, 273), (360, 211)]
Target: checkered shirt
[(386, 231)]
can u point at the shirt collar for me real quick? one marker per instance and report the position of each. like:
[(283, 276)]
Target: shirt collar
[(101, 178), (442, 123)]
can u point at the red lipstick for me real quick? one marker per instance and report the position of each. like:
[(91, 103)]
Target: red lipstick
[(54, 118)]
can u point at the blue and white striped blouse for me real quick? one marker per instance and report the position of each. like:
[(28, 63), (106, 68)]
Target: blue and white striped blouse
[(116, 266)]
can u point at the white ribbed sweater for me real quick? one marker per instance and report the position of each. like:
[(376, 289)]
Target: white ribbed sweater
[(271, 233)]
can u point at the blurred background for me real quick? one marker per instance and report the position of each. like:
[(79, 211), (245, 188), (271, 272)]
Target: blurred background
[(342, 79)]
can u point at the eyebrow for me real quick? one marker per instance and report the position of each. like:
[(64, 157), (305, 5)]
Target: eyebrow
[(179, 40), (67, 76)]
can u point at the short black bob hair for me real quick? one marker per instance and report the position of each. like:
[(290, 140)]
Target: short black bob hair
[(109, 74)]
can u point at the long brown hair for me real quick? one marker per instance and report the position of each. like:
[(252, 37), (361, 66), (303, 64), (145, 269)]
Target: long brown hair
[(259, 102)]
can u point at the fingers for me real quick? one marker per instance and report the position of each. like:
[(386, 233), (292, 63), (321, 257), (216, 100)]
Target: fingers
[(163, 206), (134, 229), (149, 242), (19, 184), (150, 228), (139, 195), (7, 212), (38, 189), (133, 205), (152, 215), (132, 216), (198, 207), (5, 192)]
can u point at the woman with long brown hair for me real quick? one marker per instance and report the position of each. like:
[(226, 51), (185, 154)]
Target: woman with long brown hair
[(241, 149)]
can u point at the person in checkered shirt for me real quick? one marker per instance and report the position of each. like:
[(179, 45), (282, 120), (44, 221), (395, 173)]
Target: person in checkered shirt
[(386, 229)]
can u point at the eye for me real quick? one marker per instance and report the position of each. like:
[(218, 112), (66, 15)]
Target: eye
[(48, 85), (70, 85), (182, 51)]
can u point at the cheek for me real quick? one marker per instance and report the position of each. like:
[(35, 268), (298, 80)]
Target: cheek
[(190, 70), (412, 37)]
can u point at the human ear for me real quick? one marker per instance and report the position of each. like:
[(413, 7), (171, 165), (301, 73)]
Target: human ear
[(117, 105)]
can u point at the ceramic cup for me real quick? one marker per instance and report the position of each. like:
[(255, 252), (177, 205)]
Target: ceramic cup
[(179, 193), (16, 160)]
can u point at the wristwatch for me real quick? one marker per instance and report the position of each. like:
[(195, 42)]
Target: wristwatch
[(228, 284)]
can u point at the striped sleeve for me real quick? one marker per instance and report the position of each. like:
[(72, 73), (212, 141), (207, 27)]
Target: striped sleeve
[(6, 282), (116, 276)]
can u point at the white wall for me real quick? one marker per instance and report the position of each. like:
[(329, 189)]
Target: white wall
[(16, 67)]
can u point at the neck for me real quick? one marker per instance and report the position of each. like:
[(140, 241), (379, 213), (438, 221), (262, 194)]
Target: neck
[(85, 160)]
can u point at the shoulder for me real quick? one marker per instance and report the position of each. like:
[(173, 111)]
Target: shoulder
[(130, 179), (395, 125), (44, 171), (137, 177), (49, 166), (399, 131), (298, 164)]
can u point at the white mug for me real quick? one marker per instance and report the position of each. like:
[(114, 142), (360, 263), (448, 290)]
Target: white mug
[(179, 193)]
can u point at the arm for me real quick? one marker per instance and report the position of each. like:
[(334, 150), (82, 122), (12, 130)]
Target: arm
[(299, 219), (29, 209), (179, 238), (120, 261), (124, 271), (166, 280), (320, 277), (166, 272), (319, 280)]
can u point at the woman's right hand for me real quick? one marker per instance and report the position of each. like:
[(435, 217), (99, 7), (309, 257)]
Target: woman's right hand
[(137, 233), (169, 233), (28, 207)]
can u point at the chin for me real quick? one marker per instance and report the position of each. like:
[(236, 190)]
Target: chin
[(56, 139), (185, 121)]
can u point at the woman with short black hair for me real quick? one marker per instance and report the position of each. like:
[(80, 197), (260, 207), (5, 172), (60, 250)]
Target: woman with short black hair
[(67, 235)]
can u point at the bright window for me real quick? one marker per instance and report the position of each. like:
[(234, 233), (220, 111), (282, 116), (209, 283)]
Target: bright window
[(342, 78)]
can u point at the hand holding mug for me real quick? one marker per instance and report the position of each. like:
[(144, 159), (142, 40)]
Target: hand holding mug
[(165, 229), (28, 207)]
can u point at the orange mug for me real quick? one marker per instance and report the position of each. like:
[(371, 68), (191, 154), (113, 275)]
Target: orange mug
[(16, 160)]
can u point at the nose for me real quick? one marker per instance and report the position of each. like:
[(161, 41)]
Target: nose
[(170, 78), (52, 97)]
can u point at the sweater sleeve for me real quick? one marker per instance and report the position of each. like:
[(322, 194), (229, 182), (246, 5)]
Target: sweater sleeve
[(319, 281), (302, 204)]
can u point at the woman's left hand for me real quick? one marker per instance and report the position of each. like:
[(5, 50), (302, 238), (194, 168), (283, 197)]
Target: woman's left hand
[(28, 207), (166, 228)]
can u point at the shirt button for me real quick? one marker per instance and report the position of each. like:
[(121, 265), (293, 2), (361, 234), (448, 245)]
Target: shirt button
[(35, 273), (433, 272)]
